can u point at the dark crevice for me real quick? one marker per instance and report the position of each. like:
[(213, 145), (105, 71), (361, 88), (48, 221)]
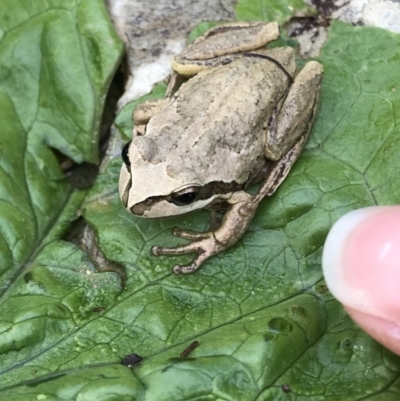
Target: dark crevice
[(82, 176)]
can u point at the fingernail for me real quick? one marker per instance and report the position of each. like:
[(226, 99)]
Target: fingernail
[(361, 261)]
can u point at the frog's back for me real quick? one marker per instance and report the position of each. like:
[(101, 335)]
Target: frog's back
[(215, 124)]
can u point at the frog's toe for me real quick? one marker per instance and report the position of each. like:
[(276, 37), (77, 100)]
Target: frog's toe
[(177, 250), (191, 235), (201, 258), (156, 250), (178, 269), (204, 249)]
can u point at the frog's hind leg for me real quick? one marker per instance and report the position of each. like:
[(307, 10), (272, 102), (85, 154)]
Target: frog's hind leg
[(222, 43), (279, 170), (294, 116)]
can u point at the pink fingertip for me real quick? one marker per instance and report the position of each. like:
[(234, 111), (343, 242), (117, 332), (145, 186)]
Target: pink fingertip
[(361, 261)]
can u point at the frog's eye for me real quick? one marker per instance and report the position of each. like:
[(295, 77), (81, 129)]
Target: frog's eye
[(124, 154), (185, 196)]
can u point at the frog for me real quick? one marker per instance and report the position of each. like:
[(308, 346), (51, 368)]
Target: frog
[(236, 114)]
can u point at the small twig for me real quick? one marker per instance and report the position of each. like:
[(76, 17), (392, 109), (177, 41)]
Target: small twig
[(189, 349)]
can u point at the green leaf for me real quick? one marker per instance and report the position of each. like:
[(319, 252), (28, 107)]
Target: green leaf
[(260, 310), (56, 61), (46, 101), (267, 327), (271, 10)]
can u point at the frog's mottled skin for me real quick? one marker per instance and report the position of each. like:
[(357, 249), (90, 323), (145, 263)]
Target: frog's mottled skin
[(244, 117)]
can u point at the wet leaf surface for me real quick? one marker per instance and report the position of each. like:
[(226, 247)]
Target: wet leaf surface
[(267, 327)]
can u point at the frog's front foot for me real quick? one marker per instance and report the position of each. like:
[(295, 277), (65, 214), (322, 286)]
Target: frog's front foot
[(207, 244), (204, 244)]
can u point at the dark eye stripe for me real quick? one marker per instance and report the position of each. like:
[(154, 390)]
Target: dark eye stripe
[(206, 192)]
